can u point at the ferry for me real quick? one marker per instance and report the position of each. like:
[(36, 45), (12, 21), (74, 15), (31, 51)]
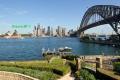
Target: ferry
[(65, 50)]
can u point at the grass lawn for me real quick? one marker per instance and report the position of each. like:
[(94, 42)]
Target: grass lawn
[(42, 75), (38, 69)]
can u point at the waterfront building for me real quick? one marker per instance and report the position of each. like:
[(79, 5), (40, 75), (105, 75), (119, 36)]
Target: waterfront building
[(51, 31), (59, 31), (34, 31), (55, 33), (63, 32), (40, 31), (92, 37), (37, 31), (98, 37), (43, 32), (102, 37), (70, 32), (15, 34), (48, 31), (8, 33)]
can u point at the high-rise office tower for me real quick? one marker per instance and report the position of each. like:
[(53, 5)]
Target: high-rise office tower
[(48, 31), (43, 32), (34, 31), (51, 33), (38, 31), (59, 31), (63, 32)]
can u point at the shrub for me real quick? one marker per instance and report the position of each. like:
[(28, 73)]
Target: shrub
[(56, 65), (69, 57), (85, 75), (116, 66), (77, 74), (42, 75)]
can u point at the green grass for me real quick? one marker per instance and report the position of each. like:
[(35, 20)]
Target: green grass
[(42, 75), (31, 68)]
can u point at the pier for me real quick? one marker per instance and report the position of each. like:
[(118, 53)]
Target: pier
[(59, 51)]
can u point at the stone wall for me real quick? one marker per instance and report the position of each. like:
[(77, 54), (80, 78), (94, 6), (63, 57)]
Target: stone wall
[(94, 56)]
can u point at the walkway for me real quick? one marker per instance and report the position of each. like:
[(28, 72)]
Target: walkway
[(4, 75), (67, 77)]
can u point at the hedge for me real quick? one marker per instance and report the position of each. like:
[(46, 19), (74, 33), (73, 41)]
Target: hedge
[(116, 66), (42, 75), (55, 66), (85, 75), (69, 57)]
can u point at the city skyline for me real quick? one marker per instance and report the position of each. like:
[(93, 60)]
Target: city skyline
[(48, 13), (41, 31)]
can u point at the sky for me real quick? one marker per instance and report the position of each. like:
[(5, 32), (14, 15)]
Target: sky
[(66, 13)]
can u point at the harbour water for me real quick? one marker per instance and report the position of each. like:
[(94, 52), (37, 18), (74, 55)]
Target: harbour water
[(31, 48)]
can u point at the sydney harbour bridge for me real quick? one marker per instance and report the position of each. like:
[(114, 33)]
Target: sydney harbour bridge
[(100, 15)]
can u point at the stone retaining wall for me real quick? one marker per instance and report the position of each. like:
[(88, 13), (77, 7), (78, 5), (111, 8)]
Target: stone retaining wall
[(94, 56), (4, 75)]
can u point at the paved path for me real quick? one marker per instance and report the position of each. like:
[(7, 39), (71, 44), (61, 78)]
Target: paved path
[(4, 75), (67, 77)]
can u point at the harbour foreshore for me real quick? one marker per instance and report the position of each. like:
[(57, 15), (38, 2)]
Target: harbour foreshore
[(114, 44)]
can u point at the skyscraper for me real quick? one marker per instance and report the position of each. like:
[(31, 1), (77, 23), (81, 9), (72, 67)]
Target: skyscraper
[(34, 31), (48, 31), (63, 32), (51, 31), (39, 31), (59, 31), (43, 32), (37, 34)]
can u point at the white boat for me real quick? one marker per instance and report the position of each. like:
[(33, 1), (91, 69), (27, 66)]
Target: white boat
[(65, 49)]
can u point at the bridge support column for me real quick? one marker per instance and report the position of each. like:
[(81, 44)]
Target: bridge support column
[(81, 34), (99, 62), (78, 63)]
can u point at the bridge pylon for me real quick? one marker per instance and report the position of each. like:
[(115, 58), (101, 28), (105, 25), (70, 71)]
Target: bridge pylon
[(81, 34)]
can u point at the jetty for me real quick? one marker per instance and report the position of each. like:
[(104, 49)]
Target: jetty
[(59, 51)]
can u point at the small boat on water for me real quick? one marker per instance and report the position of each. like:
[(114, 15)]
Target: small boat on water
[(59, 51), (65, 49)]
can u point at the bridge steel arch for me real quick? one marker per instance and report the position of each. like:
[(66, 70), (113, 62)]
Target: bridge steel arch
[(101, 14)]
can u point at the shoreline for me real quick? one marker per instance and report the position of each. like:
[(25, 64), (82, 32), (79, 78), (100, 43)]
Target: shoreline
[(102, 43)]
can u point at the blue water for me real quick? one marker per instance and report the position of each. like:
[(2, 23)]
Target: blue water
[(30, 48)]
